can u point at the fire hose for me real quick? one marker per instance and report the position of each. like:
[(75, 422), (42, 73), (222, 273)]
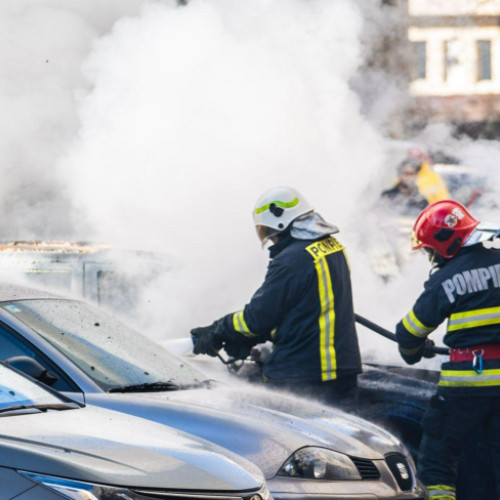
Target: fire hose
[(391, 336), (364, 322)]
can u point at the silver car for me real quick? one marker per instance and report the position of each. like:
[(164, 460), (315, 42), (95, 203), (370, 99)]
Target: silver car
[(305, 450), (53, 448)]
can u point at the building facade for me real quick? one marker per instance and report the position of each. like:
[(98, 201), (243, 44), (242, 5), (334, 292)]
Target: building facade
[(455, 49)]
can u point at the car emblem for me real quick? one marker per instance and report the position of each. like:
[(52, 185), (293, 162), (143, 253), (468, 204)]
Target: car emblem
[(451, 220), (403, 471)]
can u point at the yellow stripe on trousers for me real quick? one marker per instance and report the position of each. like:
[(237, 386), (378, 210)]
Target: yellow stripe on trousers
[(326, 322)]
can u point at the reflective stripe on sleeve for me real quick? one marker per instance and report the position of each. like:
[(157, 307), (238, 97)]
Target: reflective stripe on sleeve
[(471, 319), (240, 325), (441, 492), (409, 351), (469, 378), (326, 322), (415, 326)]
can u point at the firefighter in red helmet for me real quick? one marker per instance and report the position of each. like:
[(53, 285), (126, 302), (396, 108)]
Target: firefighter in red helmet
[(463, 287)]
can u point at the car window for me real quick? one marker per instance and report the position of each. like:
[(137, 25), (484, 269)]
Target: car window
[(11, 345), (17, 390), (108, 351)]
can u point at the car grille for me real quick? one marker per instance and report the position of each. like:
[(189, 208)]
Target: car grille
[(172, 495), (366, 468), (401, 470)]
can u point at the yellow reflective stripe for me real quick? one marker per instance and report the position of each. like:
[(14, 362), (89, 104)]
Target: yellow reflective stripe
[(326, 322), (240, 325), (441, 492), (415, 326), (472, 319), (473, 324), (325, 247), (475, 312), (346, 259), (283, 204), (465, 373), (469, 378), (406, 350)]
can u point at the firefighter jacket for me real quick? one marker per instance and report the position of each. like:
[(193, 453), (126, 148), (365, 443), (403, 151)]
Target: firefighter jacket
[(431, 185), (305, 308), (466, 291)]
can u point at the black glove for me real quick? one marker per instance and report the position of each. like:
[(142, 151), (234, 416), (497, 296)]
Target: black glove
[(427, 352), (238, 350), (209, 339)]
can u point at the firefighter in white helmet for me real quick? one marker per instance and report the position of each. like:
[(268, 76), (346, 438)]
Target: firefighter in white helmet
[(304, 305)]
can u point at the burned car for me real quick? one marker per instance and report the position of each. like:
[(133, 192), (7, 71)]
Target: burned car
[(305, 450), (93, 271), (52, 448)]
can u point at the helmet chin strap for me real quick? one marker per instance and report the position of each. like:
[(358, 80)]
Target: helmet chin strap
[(435, 258)]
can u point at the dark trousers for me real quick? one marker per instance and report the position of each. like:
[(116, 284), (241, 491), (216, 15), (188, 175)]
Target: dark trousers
[(341, 392), (448, 424)]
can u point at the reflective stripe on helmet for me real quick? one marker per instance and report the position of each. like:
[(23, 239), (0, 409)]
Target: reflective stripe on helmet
[(282, 204), (278, 207)]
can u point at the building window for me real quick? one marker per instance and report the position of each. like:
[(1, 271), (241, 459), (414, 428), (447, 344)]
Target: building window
[(419, 60), (483, 59), (452, 69)]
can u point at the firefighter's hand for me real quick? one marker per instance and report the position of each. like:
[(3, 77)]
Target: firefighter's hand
[(208, 339), (428, 345), (237, 351)]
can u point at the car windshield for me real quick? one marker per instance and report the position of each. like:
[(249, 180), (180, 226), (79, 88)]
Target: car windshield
[(110, 353), (16, 390)]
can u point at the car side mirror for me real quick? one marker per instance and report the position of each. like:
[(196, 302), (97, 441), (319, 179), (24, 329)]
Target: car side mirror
[(32, 368)]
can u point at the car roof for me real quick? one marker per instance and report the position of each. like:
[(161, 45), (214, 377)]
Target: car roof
[(10, 292)]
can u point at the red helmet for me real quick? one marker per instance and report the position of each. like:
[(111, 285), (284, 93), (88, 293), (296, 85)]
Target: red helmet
[(443, 226)]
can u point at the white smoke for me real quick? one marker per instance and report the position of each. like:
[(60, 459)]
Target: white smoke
[(146, 124), (194, 111), (43, 44)]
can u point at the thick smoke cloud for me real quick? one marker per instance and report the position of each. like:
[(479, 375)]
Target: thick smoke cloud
[(146, 124), (43, 45), (193, 112)]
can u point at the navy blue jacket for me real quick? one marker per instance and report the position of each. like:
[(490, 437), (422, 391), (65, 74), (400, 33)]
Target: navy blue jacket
[(305, 308), (466, 291)]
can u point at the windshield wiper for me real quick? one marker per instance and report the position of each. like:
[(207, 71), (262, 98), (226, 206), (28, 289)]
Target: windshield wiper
[(42, 407), (147, 387)]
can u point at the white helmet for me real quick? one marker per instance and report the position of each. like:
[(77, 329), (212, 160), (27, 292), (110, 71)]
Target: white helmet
[(276, 209)]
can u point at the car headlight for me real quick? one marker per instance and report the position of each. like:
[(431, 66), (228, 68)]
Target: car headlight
[(319, 463), (76, 490)]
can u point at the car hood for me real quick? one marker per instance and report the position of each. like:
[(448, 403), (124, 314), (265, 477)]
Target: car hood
[(97, 445), (264, 426)]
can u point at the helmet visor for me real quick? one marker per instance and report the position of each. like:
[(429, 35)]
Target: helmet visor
[(265, 233)]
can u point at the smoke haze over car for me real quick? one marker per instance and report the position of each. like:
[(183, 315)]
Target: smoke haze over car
[(146, 124)]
